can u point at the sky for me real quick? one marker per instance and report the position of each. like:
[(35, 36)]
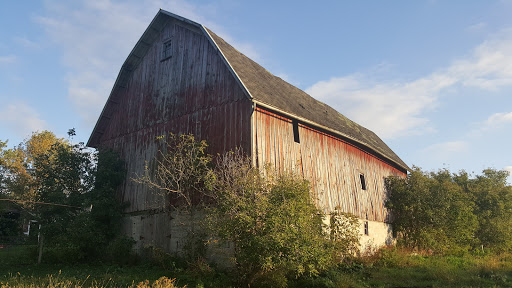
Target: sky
[(432, 78)]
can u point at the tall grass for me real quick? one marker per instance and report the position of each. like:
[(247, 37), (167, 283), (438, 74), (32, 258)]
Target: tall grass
[(59, 281), (388, 267)]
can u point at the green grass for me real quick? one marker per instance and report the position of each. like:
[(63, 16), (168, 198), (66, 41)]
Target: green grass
[(387, 268), (18, 265)]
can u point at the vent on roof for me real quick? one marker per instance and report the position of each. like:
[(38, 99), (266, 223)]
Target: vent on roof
[(167, 50)]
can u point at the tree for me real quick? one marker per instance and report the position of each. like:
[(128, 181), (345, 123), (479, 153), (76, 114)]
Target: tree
[(69, 189), (18, 165), (181, 171), (182, 174), (273, 223), (493, 207), (431, 211), (449, 212), (269, 217)]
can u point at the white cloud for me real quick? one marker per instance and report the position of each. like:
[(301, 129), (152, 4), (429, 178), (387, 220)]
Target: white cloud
[(26, 43), (477, 28), (96, 36), (396, 108), (490, 66), (390, 109), (446, 152), (7, 59), (448, 147), (21, 119), (495, 121), (509, 169), (499, 119)]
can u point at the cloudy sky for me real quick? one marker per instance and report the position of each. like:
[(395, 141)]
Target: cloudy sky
[(432, 78)]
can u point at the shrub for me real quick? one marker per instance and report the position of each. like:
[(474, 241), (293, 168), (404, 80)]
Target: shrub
[(273, 223)]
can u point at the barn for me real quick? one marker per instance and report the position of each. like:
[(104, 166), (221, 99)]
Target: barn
[(181, 77)]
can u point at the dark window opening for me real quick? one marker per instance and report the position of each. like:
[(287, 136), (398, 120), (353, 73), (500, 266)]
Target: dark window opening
[(363, 182), (366, 230), (167, 52), (296, 137)]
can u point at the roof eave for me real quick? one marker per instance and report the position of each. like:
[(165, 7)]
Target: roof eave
[(314, 124)]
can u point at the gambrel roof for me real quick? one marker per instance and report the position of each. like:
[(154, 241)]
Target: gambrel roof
[(262, 87)]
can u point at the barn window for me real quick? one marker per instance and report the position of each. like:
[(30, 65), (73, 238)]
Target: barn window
[(366, 230), (363, 182), (167, 51), (296, 137)]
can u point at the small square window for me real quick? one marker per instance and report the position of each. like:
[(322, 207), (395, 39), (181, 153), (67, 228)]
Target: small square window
[(363, 182), (167, 51)]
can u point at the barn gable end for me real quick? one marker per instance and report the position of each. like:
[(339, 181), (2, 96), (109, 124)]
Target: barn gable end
[(177, 83)]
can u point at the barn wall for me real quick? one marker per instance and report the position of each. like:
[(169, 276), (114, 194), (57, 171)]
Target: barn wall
[(190, 92), (332, 165)]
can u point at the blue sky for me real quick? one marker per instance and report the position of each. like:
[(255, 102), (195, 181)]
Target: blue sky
[(432, 78)]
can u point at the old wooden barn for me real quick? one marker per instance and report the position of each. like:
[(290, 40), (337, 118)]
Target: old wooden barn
[(181, 77)]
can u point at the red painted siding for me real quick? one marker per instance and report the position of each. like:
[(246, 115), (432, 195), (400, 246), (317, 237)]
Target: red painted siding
[(332, 165), (191, 92)]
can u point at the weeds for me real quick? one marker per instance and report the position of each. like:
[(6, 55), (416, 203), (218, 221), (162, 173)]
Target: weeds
[(386, 267)]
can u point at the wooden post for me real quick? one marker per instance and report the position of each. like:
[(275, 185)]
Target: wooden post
[(40, 256)]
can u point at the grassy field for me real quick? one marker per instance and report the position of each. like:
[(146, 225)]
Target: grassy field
[(388, 268)]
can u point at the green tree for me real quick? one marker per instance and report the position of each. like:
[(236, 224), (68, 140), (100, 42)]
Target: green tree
[(273, 223), (71, 192), (493, 207), (269, 217), (446, 212), (431, 211), (18, 166)]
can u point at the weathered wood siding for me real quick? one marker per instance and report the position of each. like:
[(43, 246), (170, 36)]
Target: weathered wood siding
[(190, 92), (332, 165)]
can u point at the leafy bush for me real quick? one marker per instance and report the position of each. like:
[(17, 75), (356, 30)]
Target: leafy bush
[(271, 219), (451, 213)]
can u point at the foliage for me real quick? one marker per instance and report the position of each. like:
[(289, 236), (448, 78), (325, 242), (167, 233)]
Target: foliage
[(270, 218), (389, 268), (86, 232), (344, 232), (493, 201), (447, 212), (162, 282), (181, 170), (181, 173), (19, 164), (69, 190)]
